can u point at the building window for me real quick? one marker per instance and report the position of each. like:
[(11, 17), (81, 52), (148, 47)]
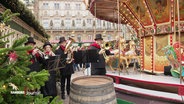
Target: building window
[(78, 13), (78, 6), (57, 23), (98, 22), (68, 23), (46, 24), (79, 38), (67, 13), (57, 13), (78, 23), (62, 23), (45, 5), (89, 21), (108, 25), (109, 37), (89, 37), (67, 6), (56, 5), (84, 23)]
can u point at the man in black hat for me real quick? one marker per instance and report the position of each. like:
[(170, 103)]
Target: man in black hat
[(98, 68), (67, 71), (36, 58)]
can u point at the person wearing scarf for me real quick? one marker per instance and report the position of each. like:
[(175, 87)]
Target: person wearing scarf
[(67, 71), (36, 58), (98, 68), (50, 86)]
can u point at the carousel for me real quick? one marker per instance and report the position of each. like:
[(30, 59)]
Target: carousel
[(159, 26)]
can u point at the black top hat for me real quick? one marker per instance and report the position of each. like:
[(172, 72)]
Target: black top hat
[(47, 43), (61, 39), (30, 40), (98, 37)]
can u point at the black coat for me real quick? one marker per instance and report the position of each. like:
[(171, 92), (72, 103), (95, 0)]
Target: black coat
[(101, 60), (68, 70), (36, 63)]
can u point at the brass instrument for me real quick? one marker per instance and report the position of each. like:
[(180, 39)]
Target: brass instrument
[(42, 54), (37, 50), (69, 52), (106, 46)]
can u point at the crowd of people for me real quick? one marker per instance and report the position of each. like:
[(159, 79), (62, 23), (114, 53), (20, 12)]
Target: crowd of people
[(71, 64), (39, 57)]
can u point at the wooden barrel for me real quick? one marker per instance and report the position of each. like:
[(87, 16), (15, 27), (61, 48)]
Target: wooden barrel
[(92, 90)]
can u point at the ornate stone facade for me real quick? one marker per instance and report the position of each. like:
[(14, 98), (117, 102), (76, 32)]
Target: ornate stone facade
[(70, 18)]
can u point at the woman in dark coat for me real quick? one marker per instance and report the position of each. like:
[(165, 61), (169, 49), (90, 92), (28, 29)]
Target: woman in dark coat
[(67, 71), (50, 86)]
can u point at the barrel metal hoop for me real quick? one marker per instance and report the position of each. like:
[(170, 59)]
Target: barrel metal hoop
[(103, 102)]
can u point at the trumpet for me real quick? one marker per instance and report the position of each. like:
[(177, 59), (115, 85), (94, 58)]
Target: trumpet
[(69, 52), (42, 54)]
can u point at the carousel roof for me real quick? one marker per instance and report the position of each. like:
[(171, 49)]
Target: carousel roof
[(140, 14)]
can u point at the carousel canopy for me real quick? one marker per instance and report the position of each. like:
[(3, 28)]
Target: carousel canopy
[(148, 16)]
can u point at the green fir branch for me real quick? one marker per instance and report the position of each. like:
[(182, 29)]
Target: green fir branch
[(19, 42), (22, 48), (9, 18), (4, 50)]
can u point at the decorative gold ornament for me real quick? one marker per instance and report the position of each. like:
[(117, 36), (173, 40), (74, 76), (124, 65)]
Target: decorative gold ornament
[(4, 86), (28, 79)]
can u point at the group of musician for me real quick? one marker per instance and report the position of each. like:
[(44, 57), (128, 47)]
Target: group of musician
[(38, 57)]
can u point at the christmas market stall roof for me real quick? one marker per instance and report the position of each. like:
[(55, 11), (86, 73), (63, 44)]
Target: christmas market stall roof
[(148, 16), (26, 15)]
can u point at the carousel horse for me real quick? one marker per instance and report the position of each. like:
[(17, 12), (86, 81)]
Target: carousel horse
[(109, 61), (131, 54), (120, 58)]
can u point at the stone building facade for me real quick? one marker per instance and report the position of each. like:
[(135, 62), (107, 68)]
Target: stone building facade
[(70, 18)]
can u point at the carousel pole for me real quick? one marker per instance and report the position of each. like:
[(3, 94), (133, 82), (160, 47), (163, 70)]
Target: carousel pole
[(179, 33), (118, 32), (95, 21), (139, 32), (174, 36)]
